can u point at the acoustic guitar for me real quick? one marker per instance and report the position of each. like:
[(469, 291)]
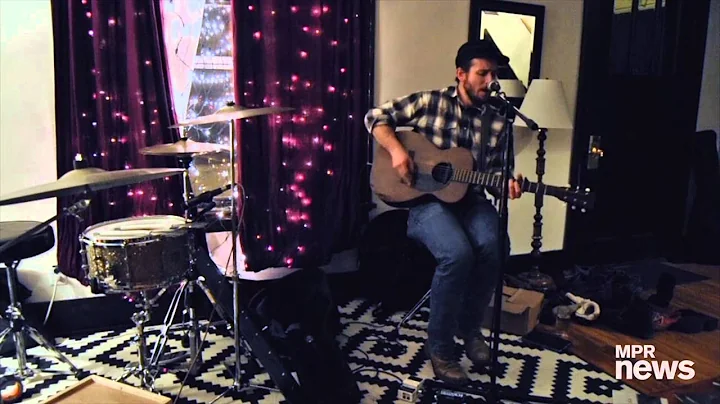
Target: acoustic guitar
[(447, 174)]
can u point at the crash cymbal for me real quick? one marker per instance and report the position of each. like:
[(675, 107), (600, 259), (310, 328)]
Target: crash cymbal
[(231, 113), (182, 148), (90, 179)]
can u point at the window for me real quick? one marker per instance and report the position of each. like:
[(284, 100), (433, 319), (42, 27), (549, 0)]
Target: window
[(198, 39), (637, 33)]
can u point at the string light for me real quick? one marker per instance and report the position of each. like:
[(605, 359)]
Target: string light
[(306, 137)]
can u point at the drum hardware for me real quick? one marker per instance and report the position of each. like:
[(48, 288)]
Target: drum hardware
[(183, 150), (146, 374), (243, 326), (189, 288)]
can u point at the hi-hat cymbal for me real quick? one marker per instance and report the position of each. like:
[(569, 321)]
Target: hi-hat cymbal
[(232, 113), (90, 179), (182, 148)]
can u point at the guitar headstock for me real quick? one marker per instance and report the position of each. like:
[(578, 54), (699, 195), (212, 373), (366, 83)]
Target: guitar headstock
[(578, 199)]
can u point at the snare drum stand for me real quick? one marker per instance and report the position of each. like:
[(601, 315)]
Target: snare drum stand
[(141, 370)]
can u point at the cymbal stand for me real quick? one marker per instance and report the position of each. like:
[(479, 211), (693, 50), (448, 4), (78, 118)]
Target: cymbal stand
[(188, 289), (237, 386)]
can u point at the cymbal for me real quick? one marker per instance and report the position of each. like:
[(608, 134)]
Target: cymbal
[(232, 113), (92, 179), (182, 148)]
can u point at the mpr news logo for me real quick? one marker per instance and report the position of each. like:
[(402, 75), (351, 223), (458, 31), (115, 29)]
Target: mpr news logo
[(647, 367)]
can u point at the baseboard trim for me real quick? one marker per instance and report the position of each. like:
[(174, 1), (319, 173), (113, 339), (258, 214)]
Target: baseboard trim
[(93, 314)]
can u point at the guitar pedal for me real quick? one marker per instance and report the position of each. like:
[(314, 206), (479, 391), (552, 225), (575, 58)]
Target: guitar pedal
[(410, 389)]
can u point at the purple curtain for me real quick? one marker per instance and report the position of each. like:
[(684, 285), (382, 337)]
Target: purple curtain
[(305, 172), (112, 99)]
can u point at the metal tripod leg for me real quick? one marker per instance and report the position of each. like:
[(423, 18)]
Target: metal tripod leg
[(194, 332), (161, 342), (141, 370), (35, 335), (18, 328), (412, 312)]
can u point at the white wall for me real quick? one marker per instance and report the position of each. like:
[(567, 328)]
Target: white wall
[(416, 43), (27, 130), (709, 110)]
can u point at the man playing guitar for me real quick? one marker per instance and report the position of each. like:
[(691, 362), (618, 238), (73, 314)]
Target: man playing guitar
[(462, 236)]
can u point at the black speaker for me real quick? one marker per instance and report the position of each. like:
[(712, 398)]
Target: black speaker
[(395, 270), (304, 322), (291, 324)]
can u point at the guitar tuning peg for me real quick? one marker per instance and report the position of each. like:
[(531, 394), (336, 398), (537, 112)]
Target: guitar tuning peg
[(573, 207), (587, 189), (582, 210)]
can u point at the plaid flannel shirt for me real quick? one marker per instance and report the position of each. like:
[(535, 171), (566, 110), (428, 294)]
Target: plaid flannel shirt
[(440, 116)]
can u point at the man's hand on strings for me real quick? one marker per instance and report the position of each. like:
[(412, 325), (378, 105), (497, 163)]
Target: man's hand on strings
[(515, 191), (403, 164)]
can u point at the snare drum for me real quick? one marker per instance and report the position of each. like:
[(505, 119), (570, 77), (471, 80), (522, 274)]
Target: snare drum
[(137, 253)]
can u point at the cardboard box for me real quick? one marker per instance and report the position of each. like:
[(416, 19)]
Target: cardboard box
[(96, 389), (520, 311)]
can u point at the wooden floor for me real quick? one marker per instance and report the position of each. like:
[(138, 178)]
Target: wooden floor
[(597, 346)]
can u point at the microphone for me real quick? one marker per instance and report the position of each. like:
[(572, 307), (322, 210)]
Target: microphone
[(78, 207), (207, 196), (494, 86)]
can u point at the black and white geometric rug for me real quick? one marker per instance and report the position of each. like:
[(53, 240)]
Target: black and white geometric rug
[(381, 364)]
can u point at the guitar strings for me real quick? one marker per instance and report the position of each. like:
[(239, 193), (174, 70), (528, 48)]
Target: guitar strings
[(445, 169)]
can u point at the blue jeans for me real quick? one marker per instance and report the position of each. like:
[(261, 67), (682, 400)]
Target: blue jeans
[(463, 238)]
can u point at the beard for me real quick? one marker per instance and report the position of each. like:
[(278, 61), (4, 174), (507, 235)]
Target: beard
[(476, 99)]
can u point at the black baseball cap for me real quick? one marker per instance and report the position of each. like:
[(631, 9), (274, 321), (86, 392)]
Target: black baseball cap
[(482, 49)]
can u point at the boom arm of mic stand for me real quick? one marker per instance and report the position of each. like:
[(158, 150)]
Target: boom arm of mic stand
[(513, 111)]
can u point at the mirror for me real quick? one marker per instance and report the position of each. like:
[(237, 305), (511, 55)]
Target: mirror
[(516, 29)]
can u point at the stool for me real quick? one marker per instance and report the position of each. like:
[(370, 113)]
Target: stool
[(37, 243)]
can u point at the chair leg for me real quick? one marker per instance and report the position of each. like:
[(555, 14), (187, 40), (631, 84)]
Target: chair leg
[(412, 312), (40, 340)]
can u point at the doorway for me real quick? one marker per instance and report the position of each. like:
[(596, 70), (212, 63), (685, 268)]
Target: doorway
[(638, 92)]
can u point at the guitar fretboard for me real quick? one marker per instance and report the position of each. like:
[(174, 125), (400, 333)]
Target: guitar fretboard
[(493, 180)]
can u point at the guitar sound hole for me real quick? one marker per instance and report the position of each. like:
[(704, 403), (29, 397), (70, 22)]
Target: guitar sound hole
[(442, 173)]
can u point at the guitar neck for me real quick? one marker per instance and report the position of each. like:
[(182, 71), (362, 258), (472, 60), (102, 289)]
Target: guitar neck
[(494, 180)]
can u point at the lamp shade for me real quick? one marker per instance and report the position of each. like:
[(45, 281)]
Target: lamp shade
[(545, 104), (512, 88)]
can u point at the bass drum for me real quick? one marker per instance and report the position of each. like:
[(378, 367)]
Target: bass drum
[(210, 171), (137, 254), (219, 245)]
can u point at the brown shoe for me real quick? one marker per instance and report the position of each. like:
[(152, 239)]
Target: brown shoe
[(448, 370), (477, 350)]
